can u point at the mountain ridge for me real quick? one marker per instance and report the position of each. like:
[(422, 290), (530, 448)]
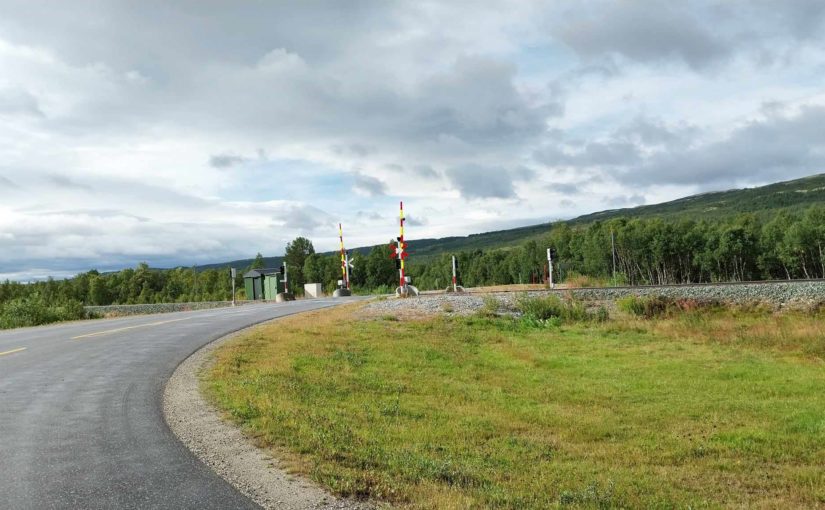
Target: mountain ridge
[(770, 198)]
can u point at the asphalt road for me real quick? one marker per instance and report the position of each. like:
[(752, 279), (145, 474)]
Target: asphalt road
[(81, 420)]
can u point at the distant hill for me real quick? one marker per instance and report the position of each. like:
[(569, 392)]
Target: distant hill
[(764, 199), (761, 200)]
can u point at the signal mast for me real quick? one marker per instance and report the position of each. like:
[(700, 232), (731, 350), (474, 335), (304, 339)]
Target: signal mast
[(398, 251)]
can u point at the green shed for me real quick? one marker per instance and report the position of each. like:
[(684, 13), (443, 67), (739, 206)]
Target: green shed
[(263, 284)]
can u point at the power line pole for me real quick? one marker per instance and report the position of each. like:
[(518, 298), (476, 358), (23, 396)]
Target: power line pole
[(613, 250), (233, 274)]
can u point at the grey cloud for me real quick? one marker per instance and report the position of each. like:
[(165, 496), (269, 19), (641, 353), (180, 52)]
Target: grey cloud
[(627, 145), (700, 34), (281, 78), (61, 181), (563, 187), (800, 18), (425, 171), (454, 104), (643, 31), (6, 183), (777, 148), (224, 161), (304, 218), (76, 35), (368, 185), (607, 153), (650, 131), (368, 215), (478, 181), (415, 221), (19, 102), (625, 200)]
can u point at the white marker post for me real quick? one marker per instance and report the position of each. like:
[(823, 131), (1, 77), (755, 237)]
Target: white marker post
[(550, 267), (286, 285), (346, 269), (233, 273)]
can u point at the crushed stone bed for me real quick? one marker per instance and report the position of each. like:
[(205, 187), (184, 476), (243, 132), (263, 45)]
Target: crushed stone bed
[(224, 448), (780, 294)]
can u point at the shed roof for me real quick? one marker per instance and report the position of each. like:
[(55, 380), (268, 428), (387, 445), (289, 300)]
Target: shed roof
[(257, 273)]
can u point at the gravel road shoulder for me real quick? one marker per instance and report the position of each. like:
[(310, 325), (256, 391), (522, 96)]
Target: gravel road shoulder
[(224, 448)]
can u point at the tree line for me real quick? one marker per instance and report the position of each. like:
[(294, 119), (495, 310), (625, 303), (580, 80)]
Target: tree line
[(742, 247)]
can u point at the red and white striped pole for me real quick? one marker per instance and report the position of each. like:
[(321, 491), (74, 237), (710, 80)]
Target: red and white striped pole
[(455, 283), (344, 268)]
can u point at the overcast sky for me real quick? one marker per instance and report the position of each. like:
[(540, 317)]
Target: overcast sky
[(183, 133)]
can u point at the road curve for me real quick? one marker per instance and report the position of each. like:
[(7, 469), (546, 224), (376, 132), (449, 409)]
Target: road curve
[(81, 420)]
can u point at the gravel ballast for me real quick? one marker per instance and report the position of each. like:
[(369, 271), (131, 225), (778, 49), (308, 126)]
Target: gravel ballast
[(780, 294), (224, 448)]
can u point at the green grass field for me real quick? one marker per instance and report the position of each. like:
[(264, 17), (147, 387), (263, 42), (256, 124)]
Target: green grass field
[(704, 409)]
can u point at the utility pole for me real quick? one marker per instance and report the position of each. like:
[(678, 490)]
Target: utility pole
[(232, 275), (613, 250)]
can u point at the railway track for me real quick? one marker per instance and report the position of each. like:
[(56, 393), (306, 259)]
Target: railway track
[(561, 287)]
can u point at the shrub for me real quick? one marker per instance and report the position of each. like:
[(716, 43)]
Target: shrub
[(651, 307), (551, 307), (577, 281), (648, 307), (618, 280), (489, 307), (631, 304), (34, 311), (539, 308)]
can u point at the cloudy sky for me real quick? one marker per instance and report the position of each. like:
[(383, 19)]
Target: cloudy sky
[(189, 132)]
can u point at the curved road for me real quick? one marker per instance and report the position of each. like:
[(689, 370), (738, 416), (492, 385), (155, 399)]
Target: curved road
[(81, 420)]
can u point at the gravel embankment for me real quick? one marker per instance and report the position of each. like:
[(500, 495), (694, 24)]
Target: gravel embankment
[(224, 448), (780, 294)]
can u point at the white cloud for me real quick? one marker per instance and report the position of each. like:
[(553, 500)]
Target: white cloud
[(223, 134)]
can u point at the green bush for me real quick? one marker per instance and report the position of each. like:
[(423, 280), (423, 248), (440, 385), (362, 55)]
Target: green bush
[(548, 308), (648, 307), (34, 311), (539, 308), (490, 306)]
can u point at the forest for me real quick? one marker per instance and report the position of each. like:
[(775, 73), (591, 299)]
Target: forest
[(648, 251), (740, 247)]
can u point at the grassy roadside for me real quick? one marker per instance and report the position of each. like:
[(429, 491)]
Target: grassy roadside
[(699, 410)]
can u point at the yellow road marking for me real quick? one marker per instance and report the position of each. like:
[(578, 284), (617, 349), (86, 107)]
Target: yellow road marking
[(100, 333), (12, 351)]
